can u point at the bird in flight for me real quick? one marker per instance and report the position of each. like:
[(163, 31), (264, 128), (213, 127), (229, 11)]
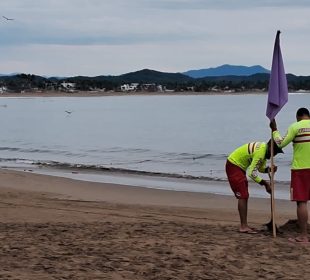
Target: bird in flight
[(68, 112), (7, 18)]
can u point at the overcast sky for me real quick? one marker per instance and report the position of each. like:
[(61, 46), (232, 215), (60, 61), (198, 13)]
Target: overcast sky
[(112, 37)]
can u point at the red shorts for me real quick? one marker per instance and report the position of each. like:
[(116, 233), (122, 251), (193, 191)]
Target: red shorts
[(300, 185), (237, 180)]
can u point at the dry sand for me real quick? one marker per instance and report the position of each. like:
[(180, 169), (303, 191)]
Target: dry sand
[(56, 228)]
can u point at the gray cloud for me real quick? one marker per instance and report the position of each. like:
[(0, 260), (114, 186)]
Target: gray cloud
[(226, 4), (170, 35)]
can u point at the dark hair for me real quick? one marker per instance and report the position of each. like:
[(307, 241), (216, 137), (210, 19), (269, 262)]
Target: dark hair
[(276, 148), (302, 112)]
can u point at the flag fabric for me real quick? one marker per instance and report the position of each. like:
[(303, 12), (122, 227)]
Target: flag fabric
[(278, 91)]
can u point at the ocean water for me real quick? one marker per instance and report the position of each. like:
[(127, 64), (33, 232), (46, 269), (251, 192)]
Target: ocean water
[(175, 136)]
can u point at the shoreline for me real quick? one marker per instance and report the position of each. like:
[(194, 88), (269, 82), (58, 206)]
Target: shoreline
[(115, 93), (154, 181), (140, 93), (82, 190)]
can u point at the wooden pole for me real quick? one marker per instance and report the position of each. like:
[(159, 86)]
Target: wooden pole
[(274, 231)]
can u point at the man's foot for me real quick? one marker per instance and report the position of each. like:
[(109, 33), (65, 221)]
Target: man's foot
[(301, 240), (248, 230)]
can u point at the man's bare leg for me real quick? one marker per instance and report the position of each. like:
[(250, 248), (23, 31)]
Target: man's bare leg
[(302, 215), (243, 213)]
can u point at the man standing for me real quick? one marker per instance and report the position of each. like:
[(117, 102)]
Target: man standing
[(299, 134), (248, 159)]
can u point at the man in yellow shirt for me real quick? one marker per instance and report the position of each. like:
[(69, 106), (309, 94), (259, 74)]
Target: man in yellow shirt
[(249, 159), (299, 134)]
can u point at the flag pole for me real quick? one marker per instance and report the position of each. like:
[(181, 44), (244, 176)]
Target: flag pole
[(274, 230), (277, 97)]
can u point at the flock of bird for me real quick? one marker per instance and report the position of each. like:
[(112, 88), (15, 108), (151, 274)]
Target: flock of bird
[(6, 18)]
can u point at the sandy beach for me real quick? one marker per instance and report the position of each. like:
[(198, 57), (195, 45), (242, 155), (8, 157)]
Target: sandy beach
[(51, 93), (58, 228)]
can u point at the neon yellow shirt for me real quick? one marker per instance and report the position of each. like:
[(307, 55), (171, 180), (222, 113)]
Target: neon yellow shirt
[(299, 134), (251, 158)]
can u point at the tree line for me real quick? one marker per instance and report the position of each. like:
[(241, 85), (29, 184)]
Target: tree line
[(168, 81)]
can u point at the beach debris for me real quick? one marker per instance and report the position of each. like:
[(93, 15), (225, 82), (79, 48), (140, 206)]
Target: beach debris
[(268, 227), (291, 226)]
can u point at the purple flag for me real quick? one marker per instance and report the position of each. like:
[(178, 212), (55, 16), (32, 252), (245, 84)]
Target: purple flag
[(278, 92)]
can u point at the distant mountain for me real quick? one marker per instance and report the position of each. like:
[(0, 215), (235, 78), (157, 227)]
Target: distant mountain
[(227, 70), (151, 76), (141, 76), (175, 81)]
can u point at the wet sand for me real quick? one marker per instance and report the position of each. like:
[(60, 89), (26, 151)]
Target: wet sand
[(58, 228)]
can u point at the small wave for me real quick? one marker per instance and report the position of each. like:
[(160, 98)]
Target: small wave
[(116, 170), (30, 150), (42, 151), (90, 167), (95, 168), (216, 156), (118, 150), (18, 160), (9, 149), (192, 156)]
